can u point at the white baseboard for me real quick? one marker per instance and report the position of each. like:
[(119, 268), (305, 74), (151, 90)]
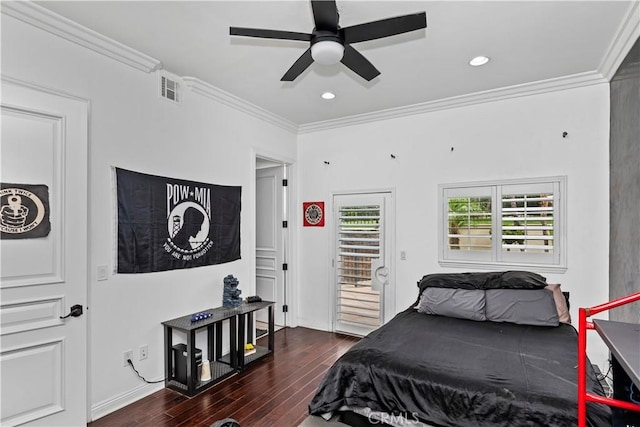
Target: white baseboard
[(304, 323), (121, 400)]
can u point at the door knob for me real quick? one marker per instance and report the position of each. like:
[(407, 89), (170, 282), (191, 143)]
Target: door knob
[(380, 276), (382, 272), (76, 311)]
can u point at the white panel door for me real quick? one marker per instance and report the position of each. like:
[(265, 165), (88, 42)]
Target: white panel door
[(362, 262), (43, 357), (270, 239)]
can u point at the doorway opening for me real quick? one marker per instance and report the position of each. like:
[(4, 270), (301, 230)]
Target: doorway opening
[(272, 238)]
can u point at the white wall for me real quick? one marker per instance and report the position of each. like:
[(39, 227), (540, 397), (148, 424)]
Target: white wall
[(515, 138), (130, 127)]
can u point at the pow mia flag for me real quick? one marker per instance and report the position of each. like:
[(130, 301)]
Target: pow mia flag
[(24, 211), (166, 224)]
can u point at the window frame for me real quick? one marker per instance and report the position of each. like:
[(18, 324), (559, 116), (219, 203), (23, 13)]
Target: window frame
[(496, 257)]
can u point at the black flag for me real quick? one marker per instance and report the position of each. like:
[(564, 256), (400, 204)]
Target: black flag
[(166, 223)]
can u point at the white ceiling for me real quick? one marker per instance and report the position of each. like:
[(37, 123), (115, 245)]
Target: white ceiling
[(527, 41)]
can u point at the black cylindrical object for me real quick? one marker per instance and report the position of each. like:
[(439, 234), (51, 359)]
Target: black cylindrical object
[(180, 362)]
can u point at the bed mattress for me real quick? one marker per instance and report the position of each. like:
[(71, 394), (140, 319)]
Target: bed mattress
[(445, 371)]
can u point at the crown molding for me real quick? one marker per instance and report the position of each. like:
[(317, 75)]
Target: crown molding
[(53, 23), (516, 91), (622, 42), (208, 90)]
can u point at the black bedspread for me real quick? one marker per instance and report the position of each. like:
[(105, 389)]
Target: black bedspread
[(452, 372)]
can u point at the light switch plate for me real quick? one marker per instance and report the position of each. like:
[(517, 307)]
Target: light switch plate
[(103, 273)]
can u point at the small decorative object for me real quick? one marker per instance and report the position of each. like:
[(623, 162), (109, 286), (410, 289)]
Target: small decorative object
[(231, 293), (313, 214), (249, 349), (200, 316), (205, 374)]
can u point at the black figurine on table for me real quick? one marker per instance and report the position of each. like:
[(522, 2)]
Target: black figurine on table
[(231, 293)]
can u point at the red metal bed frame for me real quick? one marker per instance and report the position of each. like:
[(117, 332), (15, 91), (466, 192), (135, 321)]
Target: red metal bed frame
[(583, 327)]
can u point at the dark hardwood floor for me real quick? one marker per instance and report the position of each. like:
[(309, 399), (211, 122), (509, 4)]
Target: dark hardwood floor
[(272, 392)]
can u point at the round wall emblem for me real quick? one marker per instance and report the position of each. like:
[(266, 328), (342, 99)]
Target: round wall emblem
[(314, 214), (21, 211)]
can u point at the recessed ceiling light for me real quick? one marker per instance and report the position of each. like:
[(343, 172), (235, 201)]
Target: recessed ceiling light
[(328, 95), (478, 61)]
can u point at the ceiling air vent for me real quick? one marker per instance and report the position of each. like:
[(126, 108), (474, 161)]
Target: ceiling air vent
[(168, 89)]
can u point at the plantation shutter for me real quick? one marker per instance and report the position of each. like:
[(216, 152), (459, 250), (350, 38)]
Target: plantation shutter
[(469, 231), (358, 244), (528, 221)]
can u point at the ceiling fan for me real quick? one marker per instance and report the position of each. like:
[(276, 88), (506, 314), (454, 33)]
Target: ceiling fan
[(330, 44)]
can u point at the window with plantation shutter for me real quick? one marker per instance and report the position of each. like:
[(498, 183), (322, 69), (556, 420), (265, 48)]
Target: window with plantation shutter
[(512, 223)]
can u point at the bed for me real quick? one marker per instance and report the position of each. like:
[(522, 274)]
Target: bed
[(443, 370)]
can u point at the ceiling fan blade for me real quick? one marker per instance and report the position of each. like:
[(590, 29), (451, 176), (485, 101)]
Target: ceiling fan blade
[(359, 64), (298, 67), (325, 15), (269, 34), (384, 28)]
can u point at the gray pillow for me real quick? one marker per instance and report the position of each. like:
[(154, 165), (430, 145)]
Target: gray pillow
[(460, 303), (523, 306)]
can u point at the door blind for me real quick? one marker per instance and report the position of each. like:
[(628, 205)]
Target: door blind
[(358, 243)]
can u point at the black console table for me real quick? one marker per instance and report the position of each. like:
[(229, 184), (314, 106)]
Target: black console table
[(245, 334), (222, 366)]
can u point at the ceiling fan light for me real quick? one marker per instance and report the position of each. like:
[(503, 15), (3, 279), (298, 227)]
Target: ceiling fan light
[(327, 52)]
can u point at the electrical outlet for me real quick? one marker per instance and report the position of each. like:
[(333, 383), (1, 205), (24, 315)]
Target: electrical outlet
[(144, 352), (127, 355)]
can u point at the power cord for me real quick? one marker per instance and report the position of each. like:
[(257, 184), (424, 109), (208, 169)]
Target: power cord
[(140, 376), (604, 379), (634, 396), (602, 376)]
